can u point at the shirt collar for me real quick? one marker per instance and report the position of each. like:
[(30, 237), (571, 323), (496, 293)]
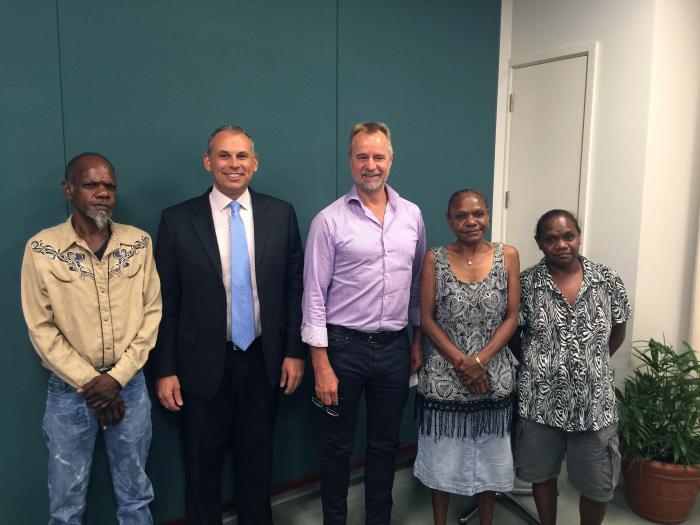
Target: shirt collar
[(543, 279), (391, 194), (591, 273), (221, 201), (67, 236)]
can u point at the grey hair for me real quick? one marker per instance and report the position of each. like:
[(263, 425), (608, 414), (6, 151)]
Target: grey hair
[(232, 129), (371, 127)]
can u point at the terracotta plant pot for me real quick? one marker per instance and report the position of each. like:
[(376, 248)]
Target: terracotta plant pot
[(661, 492)]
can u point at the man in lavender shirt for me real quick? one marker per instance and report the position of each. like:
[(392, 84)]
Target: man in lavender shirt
[(361, 274)]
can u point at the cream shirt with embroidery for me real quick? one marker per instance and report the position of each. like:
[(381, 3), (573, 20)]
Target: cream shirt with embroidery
[(84, 313)]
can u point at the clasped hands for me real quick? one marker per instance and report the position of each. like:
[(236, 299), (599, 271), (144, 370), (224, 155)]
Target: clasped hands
[(101, 394), (472, 374)]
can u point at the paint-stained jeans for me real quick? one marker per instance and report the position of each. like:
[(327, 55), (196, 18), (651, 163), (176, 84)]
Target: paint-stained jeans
[(70, 429)]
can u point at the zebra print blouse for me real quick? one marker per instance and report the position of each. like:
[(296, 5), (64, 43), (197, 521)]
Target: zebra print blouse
[(566, 379)]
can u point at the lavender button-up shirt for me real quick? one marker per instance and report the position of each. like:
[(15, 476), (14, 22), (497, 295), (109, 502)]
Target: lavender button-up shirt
[(359, 273)]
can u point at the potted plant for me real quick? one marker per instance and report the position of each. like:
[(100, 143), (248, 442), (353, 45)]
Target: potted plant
[(659, 432)]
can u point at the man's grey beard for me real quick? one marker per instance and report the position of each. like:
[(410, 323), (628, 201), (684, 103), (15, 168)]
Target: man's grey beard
[(101, 219)]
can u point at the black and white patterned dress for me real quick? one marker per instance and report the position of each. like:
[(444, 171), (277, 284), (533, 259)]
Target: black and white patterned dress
[(464, 441)]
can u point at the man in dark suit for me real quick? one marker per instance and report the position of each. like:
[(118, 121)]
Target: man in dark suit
[(230, 263)]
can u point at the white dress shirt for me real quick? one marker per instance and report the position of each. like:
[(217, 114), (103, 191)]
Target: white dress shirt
[(221, 213)]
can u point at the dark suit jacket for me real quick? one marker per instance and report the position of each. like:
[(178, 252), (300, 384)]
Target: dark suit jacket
[(192, 337)]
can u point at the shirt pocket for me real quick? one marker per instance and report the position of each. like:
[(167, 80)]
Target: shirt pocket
[(71, 267)]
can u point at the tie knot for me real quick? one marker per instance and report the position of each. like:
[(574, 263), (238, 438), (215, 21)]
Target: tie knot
[(235, 206)]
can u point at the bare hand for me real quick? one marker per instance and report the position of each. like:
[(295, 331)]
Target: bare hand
[(292, 373), (100, 391), (326, 385), (480, 386), (468, 370), (112, 414), (168, 392), (416, 355)]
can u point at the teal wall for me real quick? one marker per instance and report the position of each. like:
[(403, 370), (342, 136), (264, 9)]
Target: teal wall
[(144, 82)]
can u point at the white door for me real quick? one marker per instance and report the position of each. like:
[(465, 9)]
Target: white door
[(545, 144)]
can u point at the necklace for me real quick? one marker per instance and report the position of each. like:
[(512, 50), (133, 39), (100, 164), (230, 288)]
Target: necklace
[(468, 258)]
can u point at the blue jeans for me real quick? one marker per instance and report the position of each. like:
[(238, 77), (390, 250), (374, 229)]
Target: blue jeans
[(70, 429), (380, 371)]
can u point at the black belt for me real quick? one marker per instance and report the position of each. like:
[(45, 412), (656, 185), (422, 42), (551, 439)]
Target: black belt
[(367, 337), (233, 347)]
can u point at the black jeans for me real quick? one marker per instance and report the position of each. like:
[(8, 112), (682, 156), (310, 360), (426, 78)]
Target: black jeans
[(381, 370)]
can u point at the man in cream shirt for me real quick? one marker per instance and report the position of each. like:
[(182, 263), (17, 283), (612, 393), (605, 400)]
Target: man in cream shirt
[(91, 300)]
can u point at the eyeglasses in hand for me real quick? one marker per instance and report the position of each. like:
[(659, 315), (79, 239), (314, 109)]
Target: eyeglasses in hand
[(331, 410)]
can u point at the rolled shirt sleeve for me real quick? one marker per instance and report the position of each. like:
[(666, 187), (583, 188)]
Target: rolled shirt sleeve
[(319, 260)]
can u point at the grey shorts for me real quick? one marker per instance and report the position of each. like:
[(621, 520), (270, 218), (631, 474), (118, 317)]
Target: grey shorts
[(592, 457)]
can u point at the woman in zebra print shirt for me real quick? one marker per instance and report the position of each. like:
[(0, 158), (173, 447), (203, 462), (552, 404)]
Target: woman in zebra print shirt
[(572, 319)]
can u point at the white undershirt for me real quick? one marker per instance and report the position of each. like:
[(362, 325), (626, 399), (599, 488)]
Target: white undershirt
[(221, 214)]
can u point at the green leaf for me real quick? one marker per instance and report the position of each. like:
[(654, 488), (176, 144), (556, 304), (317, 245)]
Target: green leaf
[(659, 405)]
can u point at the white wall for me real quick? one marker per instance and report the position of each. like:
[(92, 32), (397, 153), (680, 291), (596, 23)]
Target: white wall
[(672, 177), (498, 201), (642, 201), (694, 338)]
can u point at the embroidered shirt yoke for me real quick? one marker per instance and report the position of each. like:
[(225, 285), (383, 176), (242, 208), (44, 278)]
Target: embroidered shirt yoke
[(566, 379), (84, 313)]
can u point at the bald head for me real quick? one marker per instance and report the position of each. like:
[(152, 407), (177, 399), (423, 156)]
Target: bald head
[(83, 162)]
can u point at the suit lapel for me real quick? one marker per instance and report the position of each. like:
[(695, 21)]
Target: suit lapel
[(261, 223), (203, 226)]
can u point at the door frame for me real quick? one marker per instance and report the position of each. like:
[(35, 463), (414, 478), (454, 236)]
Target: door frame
[(500, 176)]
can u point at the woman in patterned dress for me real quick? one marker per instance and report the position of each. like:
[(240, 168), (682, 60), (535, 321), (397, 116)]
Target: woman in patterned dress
[(469, 309), (572, 317)]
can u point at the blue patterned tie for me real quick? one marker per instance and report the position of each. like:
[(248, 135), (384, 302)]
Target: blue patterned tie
[(242, 313)]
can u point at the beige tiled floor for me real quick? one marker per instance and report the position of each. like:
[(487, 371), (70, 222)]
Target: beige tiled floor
[(412, 506)]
